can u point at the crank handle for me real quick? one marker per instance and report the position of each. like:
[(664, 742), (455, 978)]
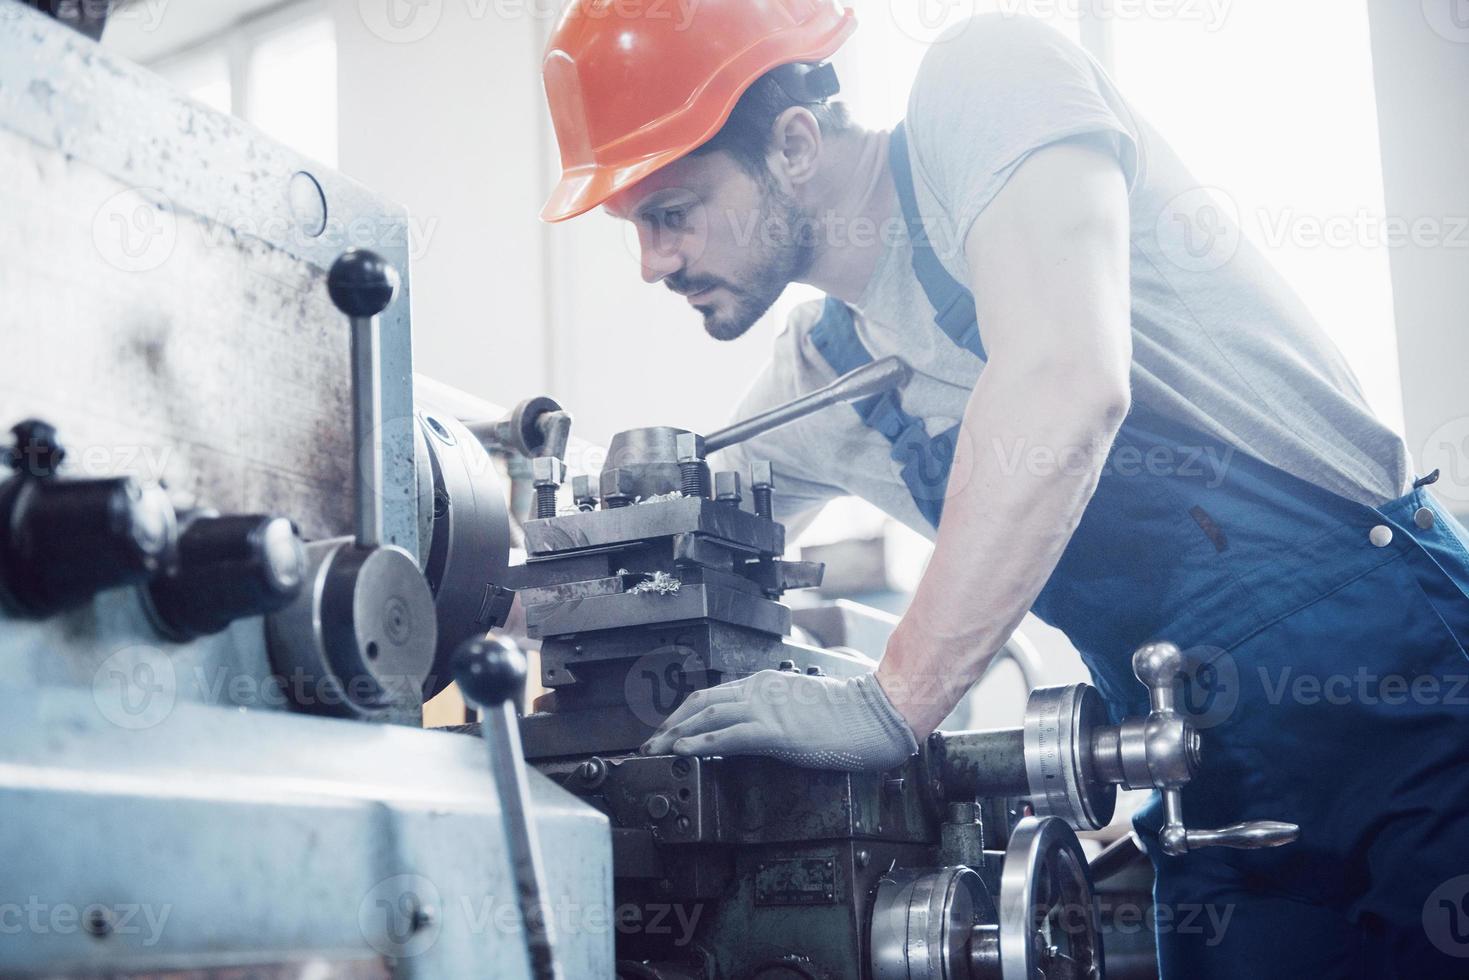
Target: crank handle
[(1249, 836)]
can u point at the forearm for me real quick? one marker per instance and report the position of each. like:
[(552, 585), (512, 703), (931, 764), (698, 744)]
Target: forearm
[(1026, 462)]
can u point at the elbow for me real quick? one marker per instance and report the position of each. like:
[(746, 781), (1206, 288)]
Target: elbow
[(1096, 399), (1113, 402)]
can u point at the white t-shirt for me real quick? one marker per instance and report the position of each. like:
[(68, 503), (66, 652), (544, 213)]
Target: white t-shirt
[(1220, 342)]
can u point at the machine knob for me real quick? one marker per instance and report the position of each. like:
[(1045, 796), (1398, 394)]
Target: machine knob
[(228, 568), (362, 283), (64, 541), (36, 451), (489, 673), (492, 675)]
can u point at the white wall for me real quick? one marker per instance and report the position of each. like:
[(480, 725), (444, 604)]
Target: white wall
[(440, 111), (1421, 60)]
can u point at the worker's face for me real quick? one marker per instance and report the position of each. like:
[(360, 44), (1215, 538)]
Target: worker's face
[(727, 240)]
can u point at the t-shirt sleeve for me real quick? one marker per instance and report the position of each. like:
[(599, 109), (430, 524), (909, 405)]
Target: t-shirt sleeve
[(794, 451), (990, 92)]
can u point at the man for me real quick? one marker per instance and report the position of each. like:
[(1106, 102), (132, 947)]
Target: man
[(1104, 425)]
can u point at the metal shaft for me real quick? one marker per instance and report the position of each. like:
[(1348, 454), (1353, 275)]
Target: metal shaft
[(367, 430), (502, 731), (881, 375)]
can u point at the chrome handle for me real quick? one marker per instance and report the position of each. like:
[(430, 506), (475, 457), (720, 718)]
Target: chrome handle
[(1248, 836), (1165, 754)]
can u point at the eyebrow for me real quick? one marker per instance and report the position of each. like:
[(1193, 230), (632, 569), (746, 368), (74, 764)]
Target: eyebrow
[(672, 197)]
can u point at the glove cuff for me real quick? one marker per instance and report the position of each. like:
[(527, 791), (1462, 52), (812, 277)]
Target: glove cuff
[(893, 725)]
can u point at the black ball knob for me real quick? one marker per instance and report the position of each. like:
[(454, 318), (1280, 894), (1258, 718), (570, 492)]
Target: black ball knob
[(229, 568), (36, 451), (489, 672), (362, 283)]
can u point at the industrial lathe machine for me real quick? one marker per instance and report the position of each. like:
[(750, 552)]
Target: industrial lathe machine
[(240, 548)]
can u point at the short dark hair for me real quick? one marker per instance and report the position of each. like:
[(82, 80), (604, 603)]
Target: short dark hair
[(746, 134)]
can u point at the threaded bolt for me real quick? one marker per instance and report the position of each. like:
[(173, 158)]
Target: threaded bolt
[(547, 474), (762, 488), (691, 475), (546, 501)]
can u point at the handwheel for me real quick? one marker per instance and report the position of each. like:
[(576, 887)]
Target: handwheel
[(1049, 927)]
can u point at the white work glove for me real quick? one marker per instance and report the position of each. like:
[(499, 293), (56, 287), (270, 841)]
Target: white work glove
[(818, 722)]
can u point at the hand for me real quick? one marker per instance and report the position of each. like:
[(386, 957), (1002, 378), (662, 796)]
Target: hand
[(818, 722)]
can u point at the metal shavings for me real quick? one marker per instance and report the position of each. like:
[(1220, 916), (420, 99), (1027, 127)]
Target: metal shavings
[(658, 498), (662, 583)]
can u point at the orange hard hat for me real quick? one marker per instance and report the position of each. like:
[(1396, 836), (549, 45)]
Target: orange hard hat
[(635, 84)]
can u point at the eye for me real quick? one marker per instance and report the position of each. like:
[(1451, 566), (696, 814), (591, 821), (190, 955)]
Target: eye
[(674, 218)]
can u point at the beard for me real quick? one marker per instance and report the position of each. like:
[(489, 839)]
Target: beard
[(782, 248)]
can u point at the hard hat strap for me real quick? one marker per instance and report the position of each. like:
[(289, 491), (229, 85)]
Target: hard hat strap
[(807, 84)]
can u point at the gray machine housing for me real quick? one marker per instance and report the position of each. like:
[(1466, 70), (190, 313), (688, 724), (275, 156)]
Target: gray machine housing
[(167, 805)]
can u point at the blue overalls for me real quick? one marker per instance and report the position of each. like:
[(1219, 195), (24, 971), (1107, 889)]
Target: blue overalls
[(1331, 681)]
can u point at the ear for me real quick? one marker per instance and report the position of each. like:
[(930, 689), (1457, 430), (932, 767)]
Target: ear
[(795, 147)]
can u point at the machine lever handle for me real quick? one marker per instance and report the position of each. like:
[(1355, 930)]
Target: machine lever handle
[(492, 674), (1249, 836), (881, 375), (362, 284)]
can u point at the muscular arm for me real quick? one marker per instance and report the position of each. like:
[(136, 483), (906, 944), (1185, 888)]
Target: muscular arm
[(1048, 265)]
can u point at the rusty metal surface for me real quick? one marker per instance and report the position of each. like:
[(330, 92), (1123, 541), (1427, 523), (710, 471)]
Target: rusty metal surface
[(163, 283)]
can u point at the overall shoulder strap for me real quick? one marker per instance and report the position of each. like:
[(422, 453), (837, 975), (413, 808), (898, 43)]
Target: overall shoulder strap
[(925, 460), (954, 305)]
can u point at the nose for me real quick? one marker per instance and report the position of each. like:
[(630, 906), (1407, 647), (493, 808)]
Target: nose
[(660, 254)]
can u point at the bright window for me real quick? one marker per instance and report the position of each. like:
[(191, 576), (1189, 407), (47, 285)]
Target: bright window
[(204, 74), (277, 70), (291, 80), (1273, 104)]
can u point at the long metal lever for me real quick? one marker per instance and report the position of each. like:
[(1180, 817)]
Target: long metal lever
[(362, 284), (491, 675), (881, 375)]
